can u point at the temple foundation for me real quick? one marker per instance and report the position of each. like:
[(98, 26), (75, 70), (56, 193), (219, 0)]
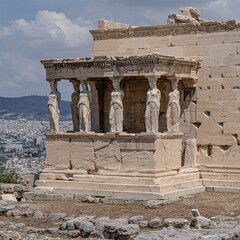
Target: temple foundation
[(130, 166)]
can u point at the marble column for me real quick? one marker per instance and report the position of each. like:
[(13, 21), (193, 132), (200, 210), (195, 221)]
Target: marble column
[(74, 105), (152, 105), (116, 106), (84, 108), (95, 118), (53, 106), (173, 107)]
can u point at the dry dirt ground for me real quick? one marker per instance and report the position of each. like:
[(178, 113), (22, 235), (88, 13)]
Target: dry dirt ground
[(209, 204)]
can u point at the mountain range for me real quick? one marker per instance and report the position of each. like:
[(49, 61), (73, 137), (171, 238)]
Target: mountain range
[(30, 107)]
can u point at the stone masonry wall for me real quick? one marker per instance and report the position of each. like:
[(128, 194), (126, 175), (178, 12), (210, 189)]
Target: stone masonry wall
[(212, 113)]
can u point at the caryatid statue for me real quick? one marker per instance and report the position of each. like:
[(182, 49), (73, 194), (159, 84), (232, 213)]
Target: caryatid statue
[(84, 107), (53, 107), (74, 105), (116, 107), (173, 107), (152, 106)]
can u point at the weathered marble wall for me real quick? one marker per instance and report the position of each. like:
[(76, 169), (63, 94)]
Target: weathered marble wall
[(211, 113), (119, 153)]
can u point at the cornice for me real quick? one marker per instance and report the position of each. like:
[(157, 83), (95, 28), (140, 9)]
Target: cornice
[(108, 62), (166, 30)]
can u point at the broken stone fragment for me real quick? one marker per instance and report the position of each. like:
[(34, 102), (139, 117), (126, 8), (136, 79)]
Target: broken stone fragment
[(176, 222)]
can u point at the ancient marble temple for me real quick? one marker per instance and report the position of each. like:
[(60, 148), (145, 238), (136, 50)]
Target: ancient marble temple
[(163, 102)]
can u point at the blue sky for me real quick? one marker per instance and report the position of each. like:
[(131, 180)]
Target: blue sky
[(31, 30)]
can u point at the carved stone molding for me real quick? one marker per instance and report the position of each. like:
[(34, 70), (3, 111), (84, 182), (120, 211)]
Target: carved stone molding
[(166, 30)]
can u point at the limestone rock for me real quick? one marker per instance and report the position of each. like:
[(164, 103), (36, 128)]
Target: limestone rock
[(5, 209), (153, 204), (135, 219), (86, 228), (176, 222), (7, 188), (201, 222), (56, 216), (155, 222), (74, 233), (127, 230), (148, 236)]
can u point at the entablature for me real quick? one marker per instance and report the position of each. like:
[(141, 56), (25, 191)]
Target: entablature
[(102, 67)]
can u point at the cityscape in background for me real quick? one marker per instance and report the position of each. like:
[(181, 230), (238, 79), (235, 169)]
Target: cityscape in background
[(22, 144)]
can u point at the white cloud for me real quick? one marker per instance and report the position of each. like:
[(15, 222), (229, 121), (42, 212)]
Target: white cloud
[(50, 29), (24, 43)]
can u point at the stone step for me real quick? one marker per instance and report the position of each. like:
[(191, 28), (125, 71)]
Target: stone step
[(120, 194), (183, 192), (221, 183), (220, 176), (129, 179), (120, 186), (223, 189)]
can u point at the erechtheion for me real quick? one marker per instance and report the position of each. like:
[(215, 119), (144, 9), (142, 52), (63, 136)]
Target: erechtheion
[(164, 108)]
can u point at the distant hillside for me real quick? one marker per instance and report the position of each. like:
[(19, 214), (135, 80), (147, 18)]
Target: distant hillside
[(30, 107)]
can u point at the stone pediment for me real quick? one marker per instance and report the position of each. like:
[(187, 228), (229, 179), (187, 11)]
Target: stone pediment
[(102, 66)]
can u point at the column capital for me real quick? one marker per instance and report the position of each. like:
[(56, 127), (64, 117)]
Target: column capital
[(116, 78), (153, 77), (174, 79)]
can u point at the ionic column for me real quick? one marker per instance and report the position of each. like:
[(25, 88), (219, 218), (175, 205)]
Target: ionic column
[(173, 107), (53, 106), (95, 121), (116, 106), (74, 105), (84, 108), (152, 105)]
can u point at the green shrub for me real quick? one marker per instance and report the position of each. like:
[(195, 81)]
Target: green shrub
[(9, 176)]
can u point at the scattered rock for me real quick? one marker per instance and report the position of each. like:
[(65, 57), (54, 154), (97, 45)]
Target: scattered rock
[(88, 199), (4, 209), (7, 188), (143, 224), (153, 204), (86, 228), (70, 225), (56, 216), (63, 226), (52, 230), (148, 236), (201, 222), (74, 233), (9, 197), (176, 222), (135, 219), (27, 214), (155, 222), (127, 230), (139, 221)]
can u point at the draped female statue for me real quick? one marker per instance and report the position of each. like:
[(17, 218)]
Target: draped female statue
[(173, 108), (84, 108), (53, 107), (152, 107), (116, 108), (74, 106)]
